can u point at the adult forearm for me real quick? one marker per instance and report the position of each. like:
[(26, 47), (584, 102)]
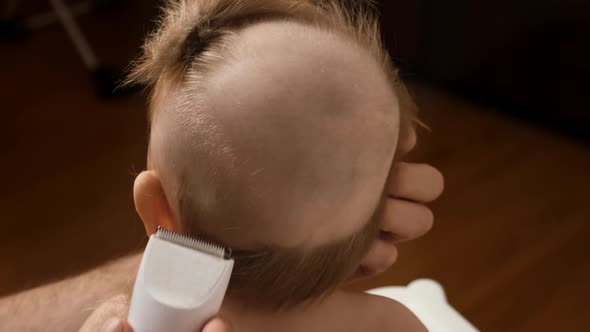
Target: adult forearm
[(65, 305)]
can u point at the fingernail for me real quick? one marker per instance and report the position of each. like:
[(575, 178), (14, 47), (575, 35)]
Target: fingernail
[(113, 325)]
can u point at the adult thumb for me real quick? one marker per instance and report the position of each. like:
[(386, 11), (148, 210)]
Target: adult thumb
[(116, 325), (217, 324)]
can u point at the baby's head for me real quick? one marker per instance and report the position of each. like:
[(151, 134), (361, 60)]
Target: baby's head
[(274, 124)]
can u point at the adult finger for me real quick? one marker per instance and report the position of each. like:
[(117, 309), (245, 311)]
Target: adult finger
[(405, 220), (415, 182), (116, 325), (407, 142), (379, 258), (218, 325), (215, 325)]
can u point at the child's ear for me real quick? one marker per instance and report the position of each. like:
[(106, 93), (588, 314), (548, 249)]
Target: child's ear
[(151, 203)]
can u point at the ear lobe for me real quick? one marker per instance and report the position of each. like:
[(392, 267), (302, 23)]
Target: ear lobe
[(151, 203)]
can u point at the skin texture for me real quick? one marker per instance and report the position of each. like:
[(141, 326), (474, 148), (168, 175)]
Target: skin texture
[(65, 305)]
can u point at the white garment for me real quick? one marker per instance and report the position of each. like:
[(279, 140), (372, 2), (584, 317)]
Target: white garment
[(426, 299)]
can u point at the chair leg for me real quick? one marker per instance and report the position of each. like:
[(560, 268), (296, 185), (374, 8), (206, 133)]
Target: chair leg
[(80, 42), (75, 9), (105, 79)]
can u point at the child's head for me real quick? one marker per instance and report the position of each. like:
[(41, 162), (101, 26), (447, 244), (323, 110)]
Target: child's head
[(273, 128)]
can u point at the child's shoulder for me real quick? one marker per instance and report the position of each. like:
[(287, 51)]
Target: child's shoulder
[(381, 313)]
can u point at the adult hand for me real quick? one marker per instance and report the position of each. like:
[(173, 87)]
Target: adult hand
[(111, 317), (406, 217)]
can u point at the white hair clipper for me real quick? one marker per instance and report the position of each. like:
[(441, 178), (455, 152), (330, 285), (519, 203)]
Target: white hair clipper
[(180, 284)]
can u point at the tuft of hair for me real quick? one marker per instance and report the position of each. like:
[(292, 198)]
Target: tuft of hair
[(188, 28), (192, 33)]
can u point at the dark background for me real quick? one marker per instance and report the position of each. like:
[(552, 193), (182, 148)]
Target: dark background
[(529, 58), (500, 83)]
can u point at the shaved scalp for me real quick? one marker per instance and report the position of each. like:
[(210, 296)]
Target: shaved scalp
[(273, 128)]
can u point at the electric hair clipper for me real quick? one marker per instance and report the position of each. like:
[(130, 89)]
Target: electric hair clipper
[(180, 284)]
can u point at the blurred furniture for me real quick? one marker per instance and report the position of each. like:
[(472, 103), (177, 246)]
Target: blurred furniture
[(14, 28)]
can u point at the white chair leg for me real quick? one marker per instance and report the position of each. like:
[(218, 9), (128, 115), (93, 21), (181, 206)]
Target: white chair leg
[(80, 42), (42, 20)]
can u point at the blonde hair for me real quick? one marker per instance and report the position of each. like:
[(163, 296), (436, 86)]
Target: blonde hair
[(197, 26), (191, 40)]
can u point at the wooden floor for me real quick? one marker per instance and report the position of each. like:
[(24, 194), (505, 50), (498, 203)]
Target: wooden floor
[(510, 243)]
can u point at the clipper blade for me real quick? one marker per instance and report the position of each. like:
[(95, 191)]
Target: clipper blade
[(196, 244)]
